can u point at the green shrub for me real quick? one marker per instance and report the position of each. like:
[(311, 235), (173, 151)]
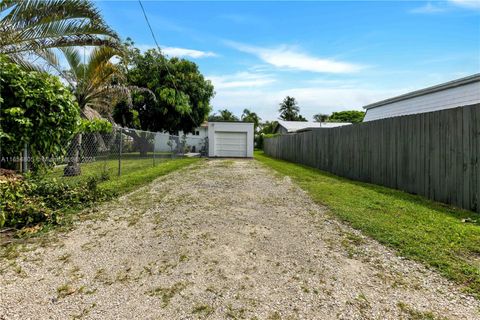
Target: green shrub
[(58, 195), (38, 110), (18, 206), (95, 126), (260, 139), (271, 135), (27, 202)]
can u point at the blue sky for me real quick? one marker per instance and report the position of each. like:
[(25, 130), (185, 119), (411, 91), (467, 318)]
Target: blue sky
[(330, 56)]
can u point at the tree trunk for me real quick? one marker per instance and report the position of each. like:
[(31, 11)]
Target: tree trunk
[(141, 142), (144, 146), (73, 165), (178, 145)]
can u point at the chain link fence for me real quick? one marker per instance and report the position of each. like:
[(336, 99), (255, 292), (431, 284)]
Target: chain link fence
[(121, 151)]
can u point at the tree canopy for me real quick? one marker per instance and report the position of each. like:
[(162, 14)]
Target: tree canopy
[(223, 115), (289, 110), (182, 93), (320, 117), (353, 116), (250, 116)]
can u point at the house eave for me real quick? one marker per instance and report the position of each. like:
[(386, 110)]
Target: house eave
[(440, 87)]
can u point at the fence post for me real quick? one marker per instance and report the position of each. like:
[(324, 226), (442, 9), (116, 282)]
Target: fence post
[(25, 158), (120, 154), (154, 144)]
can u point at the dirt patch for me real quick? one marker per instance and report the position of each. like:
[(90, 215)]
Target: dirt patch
[(221, 239), (8, 173)]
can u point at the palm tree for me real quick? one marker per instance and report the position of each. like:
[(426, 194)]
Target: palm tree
[(97, 84), (96, 81), (224, 115), (31, 29), (320, 117), (249, 116), (289, 110)]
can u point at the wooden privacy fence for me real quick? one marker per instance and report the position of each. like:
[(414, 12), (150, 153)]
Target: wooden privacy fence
[(435, 154)]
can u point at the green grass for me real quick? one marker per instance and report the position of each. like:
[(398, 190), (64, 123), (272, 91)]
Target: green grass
[(419, 229), (132, 177), (135, 171)]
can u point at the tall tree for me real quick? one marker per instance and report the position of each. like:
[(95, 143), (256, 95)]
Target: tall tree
[(320, 117), (249, 116), (223, 115), (97, 82), (268, 127), (96, 85), (30, 29), (265, 129), (353, 116), (289, 110), (182, 93)]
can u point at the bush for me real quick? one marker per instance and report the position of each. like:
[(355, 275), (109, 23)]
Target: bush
[(38, 110), (57, 195), (27, 202), (260, 139), (19, 207)]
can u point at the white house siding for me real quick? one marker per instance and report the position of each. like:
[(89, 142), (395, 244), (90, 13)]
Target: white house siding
[(162, 143), (196, 142), (467, 94)]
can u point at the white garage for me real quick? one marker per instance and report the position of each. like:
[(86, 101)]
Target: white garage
[(230, 139)]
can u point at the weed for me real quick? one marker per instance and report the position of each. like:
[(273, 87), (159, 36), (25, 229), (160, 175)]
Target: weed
[(183, 257), (64, 257), (9, 252), (274, 316), (415, 314), (203, 309), (65, 290), (166, 294), (233, 313)]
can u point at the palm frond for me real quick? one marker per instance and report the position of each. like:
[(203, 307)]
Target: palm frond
[(48, 55), (6, 4), (33, 26), (59, 42), (27, 13), (25, 62)]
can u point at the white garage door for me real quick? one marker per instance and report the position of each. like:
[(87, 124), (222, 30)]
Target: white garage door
[(230, 144)]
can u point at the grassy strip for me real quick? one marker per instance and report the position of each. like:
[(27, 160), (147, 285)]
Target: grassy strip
[(132, 178), (109, 167), (422, 230), (135, 173)]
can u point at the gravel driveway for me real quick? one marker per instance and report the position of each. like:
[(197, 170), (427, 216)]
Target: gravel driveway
[(220, 239)]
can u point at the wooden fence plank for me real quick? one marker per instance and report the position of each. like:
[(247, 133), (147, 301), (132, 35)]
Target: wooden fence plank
[(435, 154)]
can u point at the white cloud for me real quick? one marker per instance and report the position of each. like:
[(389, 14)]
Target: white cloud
[(429, 8), (437, 7), (179, 52), (472, 4), (241, 80), (182, 52), (312, 100), (291, 58)]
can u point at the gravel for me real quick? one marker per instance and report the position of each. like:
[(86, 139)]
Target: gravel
[(219, 239)]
